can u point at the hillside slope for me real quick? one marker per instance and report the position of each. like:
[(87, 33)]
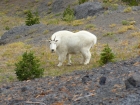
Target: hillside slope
[(119, 27)]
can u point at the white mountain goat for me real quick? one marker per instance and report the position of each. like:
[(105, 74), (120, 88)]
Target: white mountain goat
[(65, 43)]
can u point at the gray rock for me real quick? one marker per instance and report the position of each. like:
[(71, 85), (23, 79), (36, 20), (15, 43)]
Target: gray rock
[(132, 99), (133, 81), (23, 89), (22, 33), (136, 8), (137, 79), (102, 81), (87, 9), (129, 83), (86, 78)]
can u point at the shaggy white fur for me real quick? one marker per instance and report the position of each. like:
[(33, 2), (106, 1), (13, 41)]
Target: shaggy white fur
[(65, 43)]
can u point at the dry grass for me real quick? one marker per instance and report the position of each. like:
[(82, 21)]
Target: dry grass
[(77, 22), (10, 22), (135, 34), (123, 29), (112, 25), (12, 53), (127, 10), (90, 27)]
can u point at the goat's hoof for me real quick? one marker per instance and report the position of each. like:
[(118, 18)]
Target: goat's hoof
[(86, 63), (59, 65), (69, 64)]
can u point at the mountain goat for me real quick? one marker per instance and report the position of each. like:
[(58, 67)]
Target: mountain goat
[(65, 43)]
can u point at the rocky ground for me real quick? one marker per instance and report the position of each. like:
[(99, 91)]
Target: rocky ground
[(112, 84)]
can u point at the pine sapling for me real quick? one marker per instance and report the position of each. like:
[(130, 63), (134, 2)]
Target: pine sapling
[(106, 55)]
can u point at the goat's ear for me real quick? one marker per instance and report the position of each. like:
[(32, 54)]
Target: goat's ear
[(48, 40)]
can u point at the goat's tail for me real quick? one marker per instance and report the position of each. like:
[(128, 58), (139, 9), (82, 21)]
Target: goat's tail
[(95, 40)]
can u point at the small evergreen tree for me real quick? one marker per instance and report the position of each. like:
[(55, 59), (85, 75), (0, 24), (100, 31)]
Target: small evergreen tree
[(28, 67), (106, 55), (68, 14), (32, 19), (132, 2), (82, 1)]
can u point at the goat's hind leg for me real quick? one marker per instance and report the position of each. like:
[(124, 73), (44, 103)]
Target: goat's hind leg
[(69, 59), (86, 55)]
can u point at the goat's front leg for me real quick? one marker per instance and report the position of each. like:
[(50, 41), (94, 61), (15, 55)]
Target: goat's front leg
[(62, 58)]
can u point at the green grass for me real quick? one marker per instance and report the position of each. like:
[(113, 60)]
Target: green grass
[(90, 26), (110, 34), (125, 22)]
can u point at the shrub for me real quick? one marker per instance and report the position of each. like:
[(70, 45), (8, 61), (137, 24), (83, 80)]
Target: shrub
[(82, 1), (108, 34), (125, 22), (106, 55), (28, 67), (32, 18), (127, 10), (132, 2), (90, 26), (7, 28), (68, 14)]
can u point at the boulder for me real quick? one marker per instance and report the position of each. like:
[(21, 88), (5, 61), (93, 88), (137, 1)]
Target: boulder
[(133, 81), (21, 33), (87, 9), (102, 81)]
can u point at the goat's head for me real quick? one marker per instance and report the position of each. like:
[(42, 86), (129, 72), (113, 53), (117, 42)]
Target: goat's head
[(53, 45)]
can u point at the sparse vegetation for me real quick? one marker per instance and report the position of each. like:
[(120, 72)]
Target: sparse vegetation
[(50, 3), (112, 25), (125, 28), (135, 34), (7, 28), (127, 10), (110, 34), (68, 14), (77, 22), (125, 22), (28, 67), (46, 32), (106, 55), (90, 26), (132, 2), (53, 21), (108, 4), (32, 18), (82, 1)]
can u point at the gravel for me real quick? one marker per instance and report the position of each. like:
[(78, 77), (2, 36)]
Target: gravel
[(100, 86), (111, 84)]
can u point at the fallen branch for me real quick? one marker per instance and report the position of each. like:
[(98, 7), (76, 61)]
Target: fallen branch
[(29, 102), (79, 98)]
